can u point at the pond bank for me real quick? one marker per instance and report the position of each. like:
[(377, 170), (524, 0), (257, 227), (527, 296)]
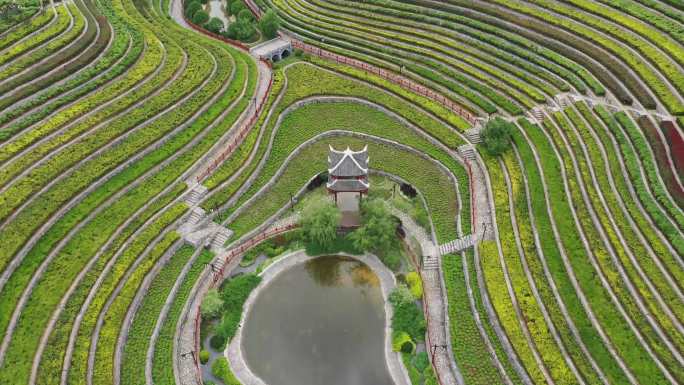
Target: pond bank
[(234, 351)]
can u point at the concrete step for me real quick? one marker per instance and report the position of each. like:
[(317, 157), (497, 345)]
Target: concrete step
[(467, 151), (196, 194)]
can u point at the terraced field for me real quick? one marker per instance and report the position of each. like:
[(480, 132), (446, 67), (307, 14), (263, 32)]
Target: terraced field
[(127, 132)]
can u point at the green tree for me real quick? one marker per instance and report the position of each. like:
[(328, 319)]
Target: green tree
[(496, 136), (191, 8), (214, 25), (269, 24), (319, 221), (246, 14), (378, 227), (212, 304), (236, 7), (241, 29), (200, 17)]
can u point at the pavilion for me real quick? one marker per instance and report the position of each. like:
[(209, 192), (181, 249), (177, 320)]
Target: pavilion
[(348, 182)]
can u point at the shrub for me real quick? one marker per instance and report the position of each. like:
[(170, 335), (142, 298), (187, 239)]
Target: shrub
[(421, 362), (221, 370), (407, 316), (269, 25), (234, 294), (204, 357), (211, 305), (399, 339), (496, 136), (214, 25), (217, 342), (200, 17), (415, 284)]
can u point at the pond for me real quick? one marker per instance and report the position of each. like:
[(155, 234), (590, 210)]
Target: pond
[(319, 322)]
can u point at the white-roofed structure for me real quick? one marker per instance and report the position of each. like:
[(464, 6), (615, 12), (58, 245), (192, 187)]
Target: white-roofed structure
[(348, 181)]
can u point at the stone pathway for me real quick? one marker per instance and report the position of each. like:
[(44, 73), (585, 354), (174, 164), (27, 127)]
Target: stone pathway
[(438, 342)]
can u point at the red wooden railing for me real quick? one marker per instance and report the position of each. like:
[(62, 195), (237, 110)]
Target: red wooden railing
[(238, 136)]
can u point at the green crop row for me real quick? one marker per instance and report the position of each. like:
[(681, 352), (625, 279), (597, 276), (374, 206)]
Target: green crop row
[(511, 263), (599, 255), (560, 41), (103, 370), (664, 64), (551, 250), (54, 355), (162, 365), (536, 271), (423, 63), (170, 148), (644, 30), (631, 160), (672, 24), (650, 168), (138, 140), (498, 48), (64, 17), (138, 339), (470, 351), (621, 183), (26, 29), (622, 225), (615, 326), (71, 58), (123, 38), (487, 31), (54, 45), (418, 44), (604, 247)]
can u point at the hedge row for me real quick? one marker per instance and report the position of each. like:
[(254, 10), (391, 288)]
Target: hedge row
[(126, 41), (64, 17), (668, 68)]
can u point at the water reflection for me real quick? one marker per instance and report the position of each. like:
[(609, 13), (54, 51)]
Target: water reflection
[(321, 322)]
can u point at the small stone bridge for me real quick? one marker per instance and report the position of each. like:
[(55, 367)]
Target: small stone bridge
[(274, 50)]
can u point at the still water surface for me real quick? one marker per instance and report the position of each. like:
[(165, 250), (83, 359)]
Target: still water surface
[(321, 322)]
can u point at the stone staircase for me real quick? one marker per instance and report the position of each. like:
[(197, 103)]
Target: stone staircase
[(220, 237), (458, 245), (196, 194), (473, 135), (467, 151), (430, 262), (538, 114), (196, 216)]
